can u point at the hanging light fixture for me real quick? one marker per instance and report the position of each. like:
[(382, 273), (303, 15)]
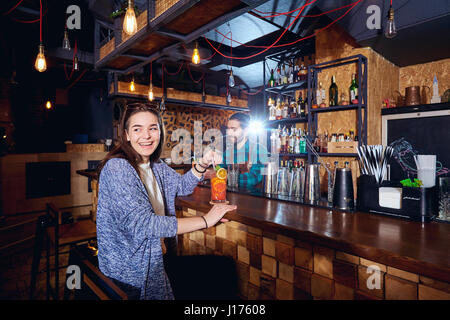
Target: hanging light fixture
[(48, 105), (40, 64), (229, 96), (150, 89), (132, 86), (196, 55), (390, 31), (129, 22), (231, 79), (162, 105), (66, 42), (150, 92), (75, 63)]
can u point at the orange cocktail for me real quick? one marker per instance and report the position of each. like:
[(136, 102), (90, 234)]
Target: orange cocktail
[(219, 186)]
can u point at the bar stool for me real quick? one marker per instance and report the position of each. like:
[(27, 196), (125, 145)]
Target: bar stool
[(50, 230)]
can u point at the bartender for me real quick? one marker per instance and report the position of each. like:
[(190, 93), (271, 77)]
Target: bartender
[(239, 149)]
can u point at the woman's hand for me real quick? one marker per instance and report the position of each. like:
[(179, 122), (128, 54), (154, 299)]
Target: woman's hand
[(210, 157), (217, 212)]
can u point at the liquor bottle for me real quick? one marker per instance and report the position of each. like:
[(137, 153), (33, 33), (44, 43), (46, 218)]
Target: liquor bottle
[(291, 73), (302, 143), (272, 110), (325, 143), (273, 141), (291, 141), (285, 109), (353, 90), (284, 75), (278, 79), (278, 137), (301, 104), (283, 140), (278, 115), (271, 79), (295, 73), (333, 92), (293, 109), (297, 142)]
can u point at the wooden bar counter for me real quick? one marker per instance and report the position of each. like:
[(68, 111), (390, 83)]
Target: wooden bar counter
[(287, 250)]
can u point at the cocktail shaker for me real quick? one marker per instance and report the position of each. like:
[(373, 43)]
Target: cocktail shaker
[(270, 179), (343, 189), (312, 183)]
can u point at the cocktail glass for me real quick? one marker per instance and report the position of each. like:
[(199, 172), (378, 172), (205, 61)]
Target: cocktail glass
[(219, 187)]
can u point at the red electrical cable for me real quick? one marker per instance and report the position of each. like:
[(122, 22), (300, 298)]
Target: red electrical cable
[(192, 78), (30, 21), (173, 74), (272, 45), (76, 80), (40, 21), (305, 16), (13, 8), (253, 93), (151, 71), (286, 44), (282, 45)]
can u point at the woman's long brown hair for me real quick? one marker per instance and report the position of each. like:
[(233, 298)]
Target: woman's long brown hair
[(123, 149)]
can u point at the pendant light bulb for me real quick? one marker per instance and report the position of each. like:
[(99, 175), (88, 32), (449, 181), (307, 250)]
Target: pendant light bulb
[(229, 97), (231, 79), (48, 105), (129, 22), (150, 92), (75, 63), (390, 30), (132, 86), (40, 64), (196, 55), (66, 42)]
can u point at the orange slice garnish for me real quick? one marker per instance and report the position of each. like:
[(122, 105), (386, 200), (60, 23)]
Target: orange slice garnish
[(221, 173)]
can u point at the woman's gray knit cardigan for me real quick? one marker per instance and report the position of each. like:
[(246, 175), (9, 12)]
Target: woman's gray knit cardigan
[(129, 231)]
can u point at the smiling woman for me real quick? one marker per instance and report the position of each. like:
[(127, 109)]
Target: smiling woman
[(136, 222)]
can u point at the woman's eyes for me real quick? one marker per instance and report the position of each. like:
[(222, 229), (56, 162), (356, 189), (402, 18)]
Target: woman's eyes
[(151, 129)]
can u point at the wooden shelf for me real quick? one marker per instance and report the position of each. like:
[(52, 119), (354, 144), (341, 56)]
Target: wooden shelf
[(286, 121), (418, 108), (323, 154), (336, 108)]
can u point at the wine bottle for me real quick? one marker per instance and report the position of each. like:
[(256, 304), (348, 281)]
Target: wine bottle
[(272, 79), (333, 92), (353, 90)]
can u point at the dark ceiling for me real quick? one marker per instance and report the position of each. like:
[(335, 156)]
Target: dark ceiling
[(422, 34)]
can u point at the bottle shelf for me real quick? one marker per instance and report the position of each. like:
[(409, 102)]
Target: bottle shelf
[(337, 108), (289, 87), (326, 154), (293, 155), (286, 121)]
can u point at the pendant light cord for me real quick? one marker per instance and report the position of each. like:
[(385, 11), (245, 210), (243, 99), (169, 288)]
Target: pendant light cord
[(40, 21)]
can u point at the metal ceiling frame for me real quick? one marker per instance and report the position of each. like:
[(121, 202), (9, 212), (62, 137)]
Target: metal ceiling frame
[(157, 26)]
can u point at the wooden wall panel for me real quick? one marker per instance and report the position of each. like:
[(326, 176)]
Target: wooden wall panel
[(423, 75)]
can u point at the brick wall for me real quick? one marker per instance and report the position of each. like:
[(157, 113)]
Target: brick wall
[(272, 266)]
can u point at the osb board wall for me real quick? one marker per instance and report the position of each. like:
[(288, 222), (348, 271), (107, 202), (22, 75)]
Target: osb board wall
[(13, 181), (176, 117), (272, 266), (383, 80), (423, 75)]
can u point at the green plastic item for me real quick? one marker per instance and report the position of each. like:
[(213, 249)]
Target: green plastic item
[(412, 184), (217, 167)]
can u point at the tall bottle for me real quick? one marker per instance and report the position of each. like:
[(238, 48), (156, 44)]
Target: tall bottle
[(284, 75), (293, 108), (285, 109), (278, 114), (272, 109), (271, 79), (302, 142), (301, 104), (353, 90), (333, 92)]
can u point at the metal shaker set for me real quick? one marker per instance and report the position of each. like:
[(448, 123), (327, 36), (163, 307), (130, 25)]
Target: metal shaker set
[(304, 184)]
